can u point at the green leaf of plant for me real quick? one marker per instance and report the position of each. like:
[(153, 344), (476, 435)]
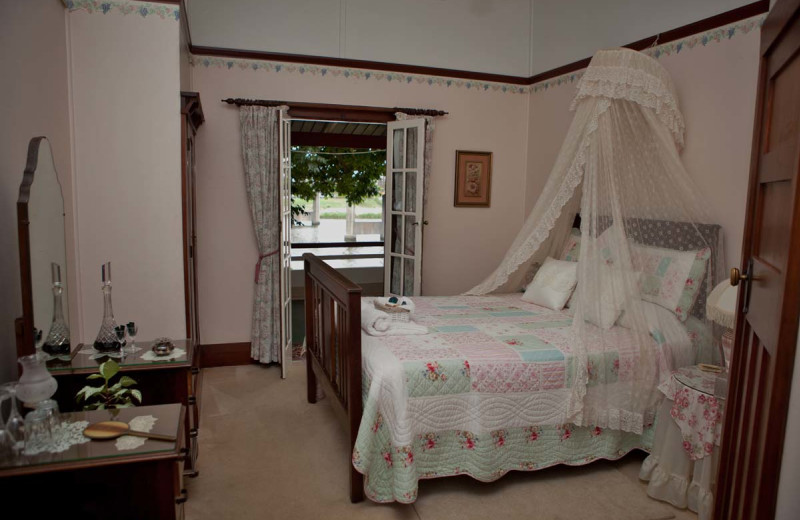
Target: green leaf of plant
[(137, 395), (115, 387), (127, 381), (109, 369), (95, 376), (89, 391), (124, 405)]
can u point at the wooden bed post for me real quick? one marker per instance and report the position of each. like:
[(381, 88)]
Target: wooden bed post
[(333, 349), (311, 382), (354, 398)]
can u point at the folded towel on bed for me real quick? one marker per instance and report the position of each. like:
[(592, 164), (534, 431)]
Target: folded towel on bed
[(405, 303), (378, 323)]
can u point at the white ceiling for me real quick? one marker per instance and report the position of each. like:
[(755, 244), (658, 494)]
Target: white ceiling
[(515, 37)]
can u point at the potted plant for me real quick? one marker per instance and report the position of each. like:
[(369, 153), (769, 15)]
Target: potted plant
[(118, 395)]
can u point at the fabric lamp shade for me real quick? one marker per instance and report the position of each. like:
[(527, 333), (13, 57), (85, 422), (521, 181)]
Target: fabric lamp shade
[(721, 305)]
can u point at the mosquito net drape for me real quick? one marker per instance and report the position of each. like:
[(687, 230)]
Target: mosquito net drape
[(646, 249)]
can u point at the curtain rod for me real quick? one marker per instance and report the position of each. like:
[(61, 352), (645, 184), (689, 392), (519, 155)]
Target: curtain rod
[(274, 103)]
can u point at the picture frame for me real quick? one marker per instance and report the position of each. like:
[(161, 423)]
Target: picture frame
[(473, 184)]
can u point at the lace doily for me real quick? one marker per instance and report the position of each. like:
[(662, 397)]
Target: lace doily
[(142, 423), (175, 354), (64, 435)]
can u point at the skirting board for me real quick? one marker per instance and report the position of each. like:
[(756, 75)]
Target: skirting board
[(225, 354)]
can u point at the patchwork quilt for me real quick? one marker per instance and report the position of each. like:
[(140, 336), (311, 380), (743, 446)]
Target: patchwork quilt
[(486, 392)]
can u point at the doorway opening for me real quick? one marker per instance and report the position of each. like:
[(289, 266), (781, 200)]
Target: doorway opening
[(338, 196)]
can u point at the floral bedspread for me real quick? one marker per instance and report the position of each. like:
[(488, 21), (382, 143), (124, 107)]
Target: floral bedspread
[(696, 410), (486, 392)]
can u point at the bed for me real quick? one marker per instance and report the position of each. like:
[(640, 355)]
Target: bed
[(494, 365)]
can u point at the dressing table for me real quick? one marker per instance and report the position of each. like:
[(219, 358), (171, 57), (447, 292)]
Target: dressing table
[(161, 381), (45, 288)]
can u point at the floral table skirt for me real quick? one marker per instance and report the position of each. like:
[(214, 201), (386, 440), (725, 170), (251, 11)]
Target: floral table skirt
[(673, 476)]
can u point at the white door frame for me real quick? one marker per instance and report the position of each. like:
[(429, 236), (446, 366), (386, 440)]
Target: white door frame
[(405, 161), (285, 134)]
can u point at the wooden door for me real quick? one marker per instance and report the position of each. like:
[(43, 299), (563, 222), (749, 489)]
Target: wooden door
[(402, 265), (767, 316)]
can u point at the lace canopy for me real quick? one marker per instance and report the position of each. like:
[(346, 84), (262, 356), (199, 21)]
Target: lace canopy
[(646, 250)]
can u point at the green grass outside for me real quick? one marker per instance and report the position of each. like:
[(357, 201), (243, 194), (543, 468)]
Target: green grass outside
[(341, 216), (339, 203)]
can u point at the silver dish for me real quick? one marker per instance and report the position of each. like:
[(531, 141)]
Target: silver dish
[(163, 346)]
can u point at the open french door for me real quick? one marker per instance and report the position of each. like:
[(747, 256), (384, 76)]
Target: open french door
[(402, 264), (286, 240)]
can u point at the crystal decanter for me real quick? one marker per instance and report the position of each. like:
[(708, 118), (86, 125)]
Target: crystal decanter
[(57, 342), (107, 340)]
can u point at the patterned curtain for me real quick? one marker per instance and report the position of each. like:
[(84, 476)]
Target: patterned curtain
[(261, 157)]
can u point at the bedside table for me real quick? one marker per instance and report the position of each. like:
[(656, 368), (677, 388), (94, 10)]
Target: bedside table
[(682, 466)]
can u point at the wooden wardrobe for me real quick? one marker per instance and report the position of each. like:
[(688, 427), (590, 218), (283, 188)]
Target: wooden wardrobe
[(191, 119)]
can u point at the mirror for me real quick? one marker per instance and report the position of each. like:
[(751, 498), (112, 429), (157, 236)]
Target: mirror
[(43, 258)]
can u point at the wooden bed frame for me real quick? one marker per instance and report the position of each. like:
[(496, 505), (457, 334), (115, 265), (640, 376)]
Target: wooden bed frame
[(333, 348), (333, 326)]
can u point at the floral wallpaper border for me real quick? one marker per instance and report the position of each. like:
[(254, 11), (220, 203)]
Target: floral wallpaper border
[(712, 36), (143, 9), (365, 74)]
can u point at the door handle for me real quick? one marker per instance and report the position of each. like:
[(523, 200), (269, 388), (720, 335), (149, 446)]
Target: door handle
[(737, 276), (747, 276)]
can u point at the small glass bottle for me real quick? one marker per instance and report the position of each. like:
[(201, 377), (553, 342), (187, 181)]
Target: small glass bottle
[(107, 340), (57, 342)]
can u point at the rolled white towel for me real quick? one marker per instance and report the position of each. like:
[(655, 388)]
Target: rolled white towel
[(377, 323), (405, 303)]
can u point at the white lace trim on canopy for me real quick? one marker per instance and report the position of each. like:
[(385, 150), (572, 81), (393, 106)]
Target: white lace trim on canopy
[(636, 77), (521, 254)]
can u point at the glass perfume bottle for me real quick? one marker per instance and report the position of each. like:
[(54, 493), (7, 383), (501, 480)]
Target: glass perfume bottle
[(107, 340), (57, 342)]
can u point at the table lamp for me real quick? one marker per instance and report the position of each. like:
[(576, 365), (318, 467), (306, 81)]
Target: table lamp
[(721, 309)]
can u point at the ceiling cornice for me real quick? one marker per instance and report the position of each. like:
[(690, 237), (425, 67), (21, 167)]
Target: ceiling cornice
[(713, 22)]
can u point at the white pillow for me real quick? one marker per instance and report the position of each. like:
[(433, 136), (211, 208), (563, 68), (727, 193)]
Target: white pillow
[(553, 284), (604, 300)]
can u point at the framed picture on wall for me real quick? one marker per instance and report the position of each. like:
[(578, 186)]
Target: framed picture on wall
[(473, 179)]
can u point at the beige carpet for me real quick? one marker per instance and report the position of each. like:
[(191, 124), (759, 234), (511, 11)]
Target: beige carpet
[(266, 453)]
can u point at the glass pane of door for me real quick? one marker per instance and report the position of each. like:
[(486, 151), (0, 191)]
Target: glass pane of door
[(403, 225)]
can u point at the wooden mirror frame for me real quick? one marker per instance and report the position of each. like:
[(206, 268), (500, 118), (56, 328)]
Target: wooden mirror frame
[(23, 326)]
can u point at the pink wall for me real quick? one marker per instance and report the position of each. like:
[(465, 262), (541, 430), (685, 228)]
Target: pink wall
[(461, 245), (33, 101), (716, 87), (126, 102)]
